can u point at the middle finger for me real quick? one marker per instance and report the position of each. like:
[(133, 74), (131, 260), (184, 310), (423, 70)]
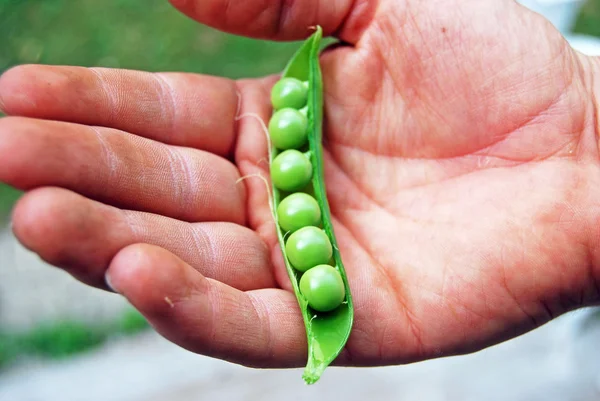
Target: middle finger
[(82, 236), (121, 169)]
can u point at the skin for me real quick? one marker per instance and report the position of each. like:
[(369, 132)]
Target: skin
[(461, 164)]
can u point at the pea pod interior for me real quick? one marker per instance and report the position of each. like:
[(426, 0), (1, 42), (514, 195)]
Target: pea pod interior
[(327, 332)]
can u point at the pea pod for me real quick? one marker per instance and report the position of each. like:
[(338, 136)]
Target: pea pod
[(311, 253)]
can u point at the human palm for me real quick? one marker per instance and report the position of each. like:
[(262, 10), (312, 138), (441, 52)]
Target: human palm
[(461, 167)]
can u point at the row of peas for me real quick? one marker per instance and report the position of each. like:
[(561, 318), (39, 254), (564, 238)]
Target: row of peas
[(308, 247)]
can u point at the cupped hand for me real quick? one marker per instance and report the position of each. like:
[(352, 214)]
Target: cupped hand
[(461, 164)]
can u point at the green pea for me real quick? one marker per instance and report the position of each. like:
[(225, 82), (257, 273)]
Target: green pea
[(308, 247), (291, 171), (304, 229), (323, 288), (298, 210), (289, 92), (288, 129)]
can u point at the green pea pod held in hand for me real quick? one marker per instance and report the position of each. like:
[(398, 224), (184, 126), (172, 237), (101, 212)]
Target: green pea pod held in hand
[(301, 209)]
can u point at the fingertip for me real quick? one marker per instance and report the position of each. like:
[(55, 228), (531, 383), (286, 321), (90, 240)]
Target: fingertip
[(14, 133), (151, 278), (132, 269), (15, 85), (37, 91), (32, 221), (49, 220), (7, 85), (128, 263)]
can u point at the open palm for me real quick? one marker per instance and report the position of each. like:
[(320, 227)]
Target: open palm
[(461, 166)]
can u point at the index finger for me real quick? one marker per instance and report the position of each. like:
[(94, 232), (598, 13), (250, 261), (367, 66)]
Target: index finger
[(282, 19), (180, 109)]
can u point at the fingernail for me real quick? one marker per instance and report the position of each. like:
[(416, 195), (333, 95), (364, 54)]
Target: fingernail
[(109, 283)]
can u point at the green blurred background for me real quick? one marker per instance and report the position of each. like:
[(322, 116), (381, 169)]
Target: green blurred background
[(149, 35), (134, 34)]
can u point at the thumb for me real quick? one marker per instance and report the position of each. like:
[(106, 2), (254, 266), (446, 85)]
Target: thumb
[(282, 19)]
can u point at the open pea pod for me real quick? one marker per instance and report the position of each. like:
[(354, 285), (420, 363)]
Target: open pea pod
[(327, 331)]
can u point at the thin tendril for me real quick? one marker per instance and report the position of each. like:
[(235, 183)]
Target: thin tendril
[(239, 103), (264, 180), (264, 129)]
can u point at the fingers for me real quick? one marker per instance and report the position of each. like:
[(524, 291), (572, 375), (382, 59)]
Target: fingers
[(121, 169), (282, 19), (252, 159), (179, 109), (259, 328), (83, 236)]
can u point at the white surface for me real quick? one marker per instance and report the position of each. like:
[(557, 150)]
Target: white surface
[(589, 45), (561, 13), (555, 363), (32, 291)]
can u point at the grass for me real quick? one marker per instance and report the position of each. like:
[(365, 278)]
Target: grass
[(589, 19), (149, 35), (8, 196), (62, 339)]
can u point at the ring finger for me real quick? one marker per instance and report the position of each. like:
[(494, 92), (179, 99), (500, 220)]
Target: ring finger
[(121, 169)]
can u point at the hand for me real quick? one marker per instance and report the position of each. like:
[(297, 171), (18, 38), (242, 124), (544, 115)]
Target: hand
[(461, 167)]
